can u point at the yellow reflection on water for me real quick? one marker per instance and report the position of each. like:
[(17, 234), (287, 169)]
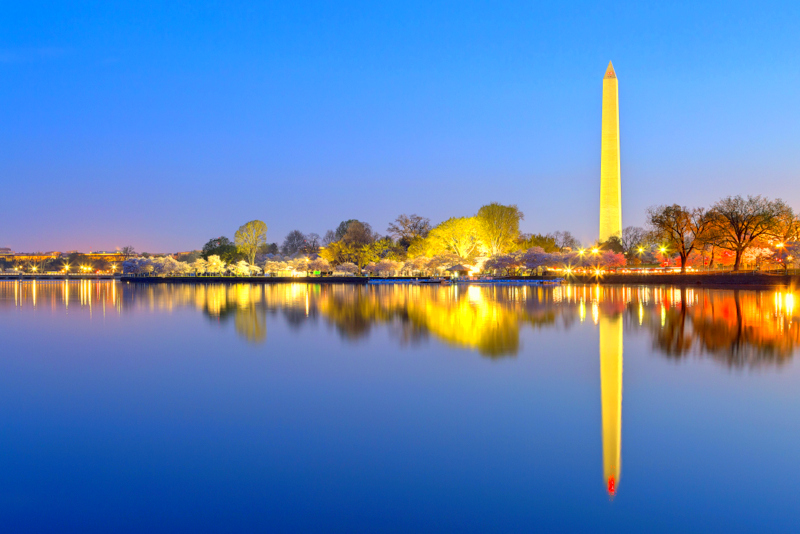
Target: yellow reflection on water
[(611, 395), (736, 327)]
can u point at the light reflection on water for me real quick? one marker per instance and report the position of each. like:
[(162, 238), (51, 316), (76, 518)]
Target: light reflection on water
[(734, 329)]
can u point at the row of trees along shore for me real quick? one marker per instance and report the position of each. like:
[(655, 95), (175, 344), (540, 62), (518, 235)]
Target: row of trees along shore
[(732, 233)]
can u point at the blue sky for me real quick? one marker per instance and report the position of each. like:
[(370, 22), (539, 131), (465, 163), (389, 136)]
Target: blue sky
[(162, 125)]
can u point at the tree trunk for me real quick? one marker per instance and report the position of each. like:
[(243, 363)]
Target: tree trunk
[(683, 264), (737, 263)]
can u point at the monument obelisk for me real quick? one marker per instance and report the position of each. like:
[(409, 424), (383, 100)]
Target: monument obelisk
[(610, 183)]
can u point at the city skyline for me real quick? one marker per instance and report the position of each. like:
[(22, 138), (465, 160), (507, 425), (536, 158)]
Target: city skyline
[(161, 128)]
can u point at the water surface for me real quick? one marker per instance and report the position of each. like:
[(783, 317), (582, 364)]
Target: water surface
[(285, 408)]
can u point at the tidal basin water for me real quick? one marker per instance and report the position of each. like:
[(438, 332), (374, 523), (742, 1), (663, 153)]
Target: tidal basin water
[(313, 408)]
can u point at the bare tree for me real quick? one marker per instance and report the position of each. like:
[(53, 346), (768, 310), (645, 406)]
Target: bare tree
[(408, 227), (330, 237), (679, 227), (565, 240), (737, 223), (127, 252), (632, 238), (295, 240), (312, 244)]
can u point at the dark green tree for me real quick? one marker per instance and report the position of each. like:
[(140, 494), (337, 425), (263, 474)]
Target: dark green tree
[(222, 247)]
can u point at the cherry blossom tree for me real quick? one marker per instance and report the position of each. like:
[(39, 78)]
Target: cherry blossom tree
[(319, 264), (347, 267), (199, 266), (214, 264)]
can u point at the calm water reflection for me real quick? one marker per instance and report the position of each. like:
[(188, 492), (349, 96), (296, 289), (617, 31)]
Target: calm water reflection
[(734, 327), (736, 331)]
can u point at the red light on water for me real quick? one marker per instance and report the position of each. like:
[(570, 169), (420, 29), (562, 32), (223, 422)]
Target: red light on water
[(612, 486)]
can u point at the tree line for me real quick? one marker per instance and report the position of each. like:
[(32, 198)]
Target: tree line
[(734, 231)]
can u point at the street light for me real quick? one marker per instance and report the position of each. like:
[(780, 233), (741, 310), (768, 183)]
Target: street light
[(595, 250)]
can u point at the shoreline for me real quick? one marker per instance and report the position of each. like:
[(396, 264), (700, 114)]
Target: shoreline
[(709, 280)]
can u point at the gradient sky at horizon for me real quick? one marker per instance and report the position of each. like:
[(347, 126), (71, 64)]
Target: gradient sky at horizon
[(163, 125)]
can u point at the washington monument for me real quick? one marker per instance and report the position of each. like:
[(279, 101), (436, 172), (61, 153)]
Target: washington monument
[(610, 187)]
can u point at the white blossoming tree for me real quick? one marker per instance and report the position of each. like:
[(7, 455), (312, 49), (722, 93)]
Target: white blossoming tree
[(348, 268), (387, 267), (199, 266), (319, 264), (214, 264)]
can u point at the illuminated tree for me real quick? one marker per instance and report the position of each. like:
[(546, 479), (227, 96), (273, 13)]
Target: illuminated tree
[(548, 243), (498, 227), (678, 228), (347, 267), (418, 264), (319, 264), (387, 267), (786, 254), (505, 263), (242, 268), (299, 264), (365, 254), (736, 223), (440, 262), (337, 252), (199, 266), (536, 257), (756, 254), (214, 264), (458, 235), (249, 237), (609, 259), (418, 247)]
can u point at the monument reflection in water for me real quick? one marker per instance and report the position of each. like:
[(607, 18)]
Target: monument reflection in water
[(738, 328)]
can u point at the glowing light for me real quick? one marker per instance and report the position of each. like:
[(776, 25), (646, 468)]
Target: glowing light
[(581, 252), (595, 250), (663, 249)]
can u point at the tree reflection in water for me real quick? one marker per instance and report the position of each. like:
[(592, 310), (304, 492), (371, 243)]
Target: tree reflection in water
[(735, 327)]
